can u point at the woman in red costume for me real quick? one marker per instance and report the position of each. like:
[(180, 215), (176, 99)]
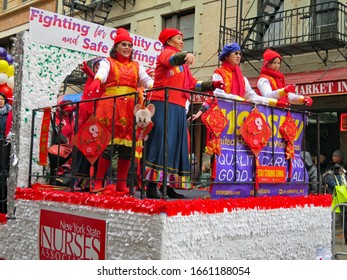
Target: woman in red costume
[(65, 119), (271, 82), (237, 86), (172, 70), (118, 74)]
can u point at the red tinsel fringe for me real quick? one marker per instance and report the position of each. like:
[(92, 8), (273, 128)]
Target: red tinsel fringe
[(172, 208), (3, 218)]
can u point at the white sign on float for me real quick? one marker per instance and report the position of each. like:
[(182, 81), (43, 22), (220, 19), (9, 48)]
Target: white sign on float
[(79, 35)]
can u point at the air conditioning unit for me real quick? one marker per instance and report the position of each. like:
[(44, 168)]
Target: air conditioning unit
[(325, 31)]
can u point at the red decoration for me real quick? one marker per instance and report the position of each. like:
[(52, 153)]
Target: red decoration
[(43, 153), (215, 121), (173, 208), (3, 218), (92, 139), (8, 92), (255, 131), (142, 132), (289, 130)]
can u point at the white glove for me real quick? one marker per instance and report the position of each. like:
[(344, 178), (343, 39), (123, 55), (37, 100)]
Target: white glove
[(220, 93)]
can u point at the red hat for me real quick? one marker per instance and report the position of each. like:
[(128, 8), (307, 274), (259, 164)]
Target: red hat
[(122, 35), (269, 55), (167, 33)]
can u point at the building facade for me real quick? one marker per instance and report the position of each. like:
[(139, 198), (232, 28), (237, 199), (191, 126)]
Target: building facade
[(309, 34)]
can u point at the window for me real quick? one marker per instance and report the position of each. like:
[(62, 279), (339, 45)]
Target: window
[(270, 29), (185, 22), (324, 18), (126, 27), (4, 5)]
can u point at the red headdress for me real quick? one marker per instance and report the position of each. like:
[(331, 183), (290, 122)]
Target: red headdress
[(167, 33), (268, 55), (122, 35)]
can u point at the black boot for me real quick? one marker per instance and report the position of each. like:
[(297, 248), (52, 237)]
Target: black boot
[(171, 192), (153, 191)]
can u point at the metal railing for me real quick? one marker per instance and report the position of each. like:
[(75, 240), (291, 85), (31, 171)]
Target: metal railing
[(305, 24), (339, 232), (46, 174)]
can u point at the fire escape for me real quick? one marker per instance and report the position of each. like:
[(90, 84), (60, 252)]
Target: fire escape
[(314, 28), (93, 11)]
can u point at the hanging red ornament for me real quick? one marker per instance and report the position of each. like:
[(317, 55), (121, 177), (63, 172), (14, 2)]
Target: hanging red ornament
[(214, 119), (92, 139), (215, 122), (256, 132), (289, 130)]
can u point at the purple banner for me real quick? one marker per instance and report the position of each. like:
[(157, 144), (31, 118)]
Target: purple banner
[(235, 167)]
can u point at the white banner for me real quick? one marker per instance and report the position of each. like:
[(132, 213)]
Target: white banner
[(173, 269), (71, 33)]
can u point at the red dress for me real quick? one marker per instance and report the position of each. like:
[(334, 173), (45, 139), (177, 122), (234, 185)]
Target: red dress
[(167, 75), (123, 78)]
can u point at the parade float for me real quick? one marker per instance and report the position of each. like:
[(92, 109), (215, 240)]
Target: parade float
[(270, 221)]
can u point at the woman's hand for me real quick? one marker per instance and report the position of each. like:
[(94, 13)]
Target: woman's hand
[(190, 59), (195, 116)]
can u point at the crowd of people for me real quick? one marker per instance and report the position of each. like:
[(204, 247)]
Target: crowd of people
[(119, 74)]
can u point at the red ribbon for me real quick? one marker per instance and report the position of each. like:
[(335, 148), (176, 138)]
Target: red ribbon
[(44, 137)]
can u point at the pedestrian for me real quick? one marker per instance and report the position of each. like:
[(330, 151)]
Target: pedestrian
[(271, 82), (336, 157), (5, 118), (336, 177), (205, 174), (312, 172), (5, 148), (118, 74), (172, 70), (336, 180), (322, 163)]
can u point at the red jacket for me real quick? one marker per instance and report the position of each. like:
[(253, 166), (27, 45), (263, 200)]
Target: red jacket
[(8, 124)]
